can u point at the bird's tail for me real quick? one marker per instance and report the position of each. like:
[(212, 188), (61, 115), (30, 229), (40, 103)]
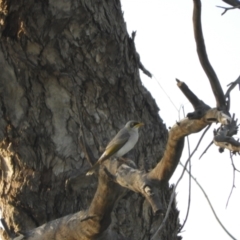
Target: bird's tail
[(93, 169)]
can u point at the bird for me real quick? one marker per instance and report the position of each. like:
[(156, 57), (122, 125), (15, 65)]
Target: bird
[(122, 143)]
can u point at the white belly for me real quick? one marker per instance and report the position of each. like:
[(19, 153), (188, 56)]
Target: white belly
[(128, 145)]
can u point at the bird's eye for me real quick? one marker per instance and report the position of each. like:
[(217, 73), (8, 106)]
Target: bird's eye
[(133, 124)]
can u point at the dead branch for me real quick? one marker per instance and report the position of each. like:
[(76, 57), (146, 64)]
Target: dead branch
[(223, 136), (137, 56), (232, 2), (209, 145), (199, 106), (189, 179), (175, 186), (203, 58), (206, 196), (231, 85), (233, 185), (228, 8)]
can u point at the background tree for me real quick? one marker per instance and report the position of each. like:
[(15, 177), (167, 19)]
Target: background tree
[(70, 81)]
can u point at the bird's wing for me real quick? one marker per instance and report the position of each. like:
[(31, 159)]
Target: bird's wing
[(116, 143)]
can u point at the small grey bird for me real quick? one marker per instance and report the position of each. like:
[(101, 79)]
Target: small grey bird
[(122, 143)]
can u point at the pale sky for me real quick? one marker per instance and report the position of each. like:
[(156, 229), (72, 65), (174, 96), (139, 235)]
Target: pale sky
[(167, 49)]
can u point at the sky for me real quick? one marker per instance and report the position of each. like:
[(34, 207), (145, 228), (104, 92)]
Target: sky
[(166, 45)]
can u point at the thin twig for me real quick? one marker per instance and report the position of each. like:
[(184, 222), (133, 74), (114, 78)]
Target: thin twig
[(159, 84), (228, 8), (190, 182), (232, 2), (195, 180), (233, 185), (209, 145), (174, 189), (231, 86)]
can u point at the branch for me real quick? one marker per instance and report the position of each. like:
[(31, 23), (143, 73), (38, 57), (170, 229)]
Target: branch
[(190, 182), (174, 189), (232, 2), (228, 8), (202, 55), (223, 136), (83, 225), (231, 85), (233, 185), (137, 56), (204, 193), (199, 106)]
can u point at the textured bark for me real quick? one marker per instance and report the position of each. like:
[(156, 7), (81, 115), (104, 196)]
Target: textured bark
[(69, 81)]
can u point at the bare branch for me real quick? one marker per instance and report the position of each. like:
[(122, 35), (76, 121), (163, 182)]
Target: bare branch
[(232, 2), (233, 185), (202, 55), (228, 8), (137, 56), (165, 168), (223, 136), (174, 189), (209, 145), (231, 85), (190, 182), (199, 106), (204, 193), (138, 181)]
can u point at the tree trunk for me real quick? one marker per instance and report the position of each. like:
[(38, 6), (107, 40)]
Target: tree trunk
[(70, 81)]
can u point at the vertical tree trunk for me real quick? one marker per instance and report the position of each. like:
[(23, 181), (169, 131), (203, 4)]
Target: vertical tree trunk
[(69, 80)]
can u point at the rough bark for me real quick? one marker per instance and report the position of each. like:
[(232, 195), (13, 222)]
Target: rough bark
[(69, 81)]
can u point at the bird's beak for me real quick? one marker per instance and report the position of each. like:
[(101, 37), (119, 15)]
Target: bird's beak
[(140, 125)]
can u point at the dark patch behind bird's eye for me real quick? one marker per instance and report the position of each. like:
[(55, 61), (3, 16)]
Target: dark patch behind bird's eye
[(133, 124)]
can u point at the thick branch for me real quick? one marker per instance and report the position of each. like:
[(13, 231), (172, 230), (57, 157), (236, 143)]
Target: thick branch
[(83, 225), (199, 106), (165, 168), (202, 55)]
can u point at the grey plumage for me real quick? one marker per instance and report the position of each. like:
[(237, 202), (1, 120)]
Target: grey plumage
[(122, 143)]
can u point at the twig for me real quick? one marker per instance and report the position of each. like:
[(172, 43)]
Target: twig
[(195, 180), (209, 145), (137, 56), (174, 189), (190, 183), (232, 86), (233, 185), (228, 8), (159, 84), (232, 2)]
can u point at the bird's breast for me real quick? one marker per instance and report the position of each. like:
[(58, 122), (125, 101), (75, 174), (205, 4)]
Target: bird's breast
[(128, 145)]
